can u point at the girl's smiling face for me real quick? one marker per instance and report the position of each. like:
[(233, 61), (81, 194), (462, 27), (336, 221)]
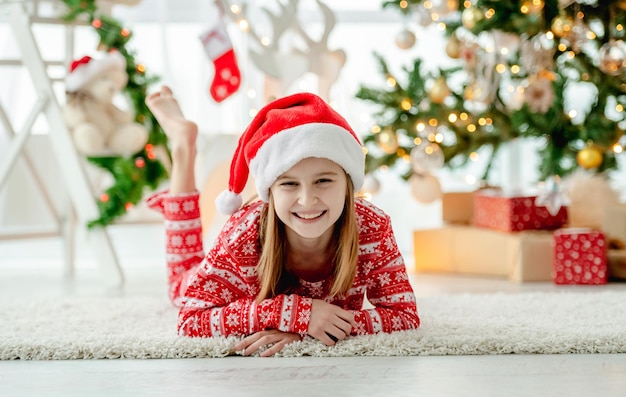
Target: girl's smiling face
[(309, 198)]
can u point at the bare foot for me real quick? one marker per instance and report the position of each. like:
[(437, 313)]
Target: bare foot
[(182, 135), (181, 132)]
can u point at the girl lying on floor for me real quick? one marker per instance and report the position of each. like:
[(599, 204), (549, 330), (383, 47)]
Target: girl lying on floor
[(300, 260)]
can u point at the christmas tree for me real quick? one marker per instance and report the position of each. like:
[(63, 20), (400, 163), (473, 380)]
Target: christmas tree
[(517, 66)]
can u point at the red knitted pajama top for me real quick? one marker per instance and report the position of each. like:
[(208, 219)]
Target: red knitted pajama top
[(216, 293)]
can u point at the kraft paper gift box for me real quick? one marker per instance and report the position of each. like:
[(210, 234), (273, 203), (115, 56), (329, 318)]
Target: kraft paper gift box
[(494, 209), (617, 263), (524, 256), (614, 227), (457, 207), (580, 256)]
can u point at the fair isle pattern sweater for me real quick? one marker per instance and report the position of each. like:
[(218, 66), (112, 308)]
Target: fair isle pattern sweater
[(216, 293)]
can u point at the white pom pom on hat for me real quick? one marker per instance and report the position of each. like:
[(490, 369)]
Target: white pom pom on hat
[(228, 202), (83, 70), (283, 133)]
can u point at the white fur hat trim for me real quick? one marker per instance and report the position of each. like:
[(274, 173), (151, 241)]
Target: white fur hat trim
[(82, 71)]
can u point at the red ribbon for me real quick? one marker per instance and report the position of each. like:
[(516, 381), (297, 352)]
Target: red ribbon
[(82, 61)]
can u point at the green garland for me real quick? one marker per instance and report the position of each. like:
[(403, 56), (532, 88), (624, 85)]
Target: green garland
[(563, 139), (132, 175)]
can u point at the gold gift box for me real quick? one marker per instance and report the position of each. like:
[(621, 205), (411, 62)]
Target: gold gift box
[(521, 256)]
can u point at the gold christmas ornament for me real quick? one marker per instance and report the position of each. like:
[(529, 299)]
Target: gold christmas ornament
[(612, 56), (453, 47), (439, 91), (471, 16), (589, 157), (426, 157), (405, 39), (387, 141), (371, 185), (562, 25), (425, 188)]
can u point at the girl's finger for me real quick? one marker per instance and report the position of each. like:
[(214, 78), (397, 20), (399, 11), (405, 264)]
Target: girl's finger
[(246, 342), (260, 342), (347, 317), (275, 348)]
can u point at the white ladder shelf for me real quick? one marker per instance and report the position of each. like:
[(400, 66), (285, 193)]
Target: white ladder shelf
[(74, 176)]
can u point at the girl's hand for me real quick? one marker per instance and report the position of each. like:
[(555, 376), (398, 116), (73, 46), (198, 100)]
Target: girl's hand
[(277, 339), (329, 323)]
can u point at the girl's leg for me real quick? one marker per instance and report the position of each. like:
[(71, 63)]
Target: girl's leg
[(181, 134), (179, 206)]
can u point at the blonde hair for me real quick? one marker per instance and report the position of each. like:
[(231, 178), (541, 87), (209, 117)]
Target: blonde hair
[(271, 271)]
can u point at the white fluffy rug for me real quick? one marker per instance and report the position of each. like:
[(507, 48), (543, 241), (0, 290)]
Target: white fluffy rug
[(538, 322)]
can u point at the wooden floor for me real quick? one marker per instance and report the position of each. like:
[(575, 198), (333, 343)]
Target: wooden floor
[(30, 267)]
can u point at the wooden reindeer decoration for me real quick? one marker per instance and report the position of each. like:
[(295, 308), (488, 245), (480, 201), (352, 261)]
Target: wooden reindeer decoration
[(323, 62), (283, 67)]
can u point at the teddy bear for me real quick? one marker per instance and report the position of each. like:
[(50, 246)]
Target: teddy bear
[(98, 127)]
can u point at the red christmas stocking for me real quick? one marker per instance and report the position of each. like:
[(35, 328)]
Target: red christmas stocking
[(219, 48)]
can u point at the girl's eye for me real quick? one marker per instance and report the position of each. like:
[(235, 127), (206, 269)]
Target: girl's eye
[(324, 180), (288, 184)]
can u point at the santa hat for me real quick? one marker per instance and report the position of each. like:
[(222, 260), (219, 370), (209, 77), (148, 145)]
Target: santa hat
[(83, 70), (284, 132)]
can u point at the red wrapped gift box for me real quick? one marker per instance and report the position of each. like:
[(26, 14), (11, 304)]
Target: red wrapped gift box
[(511, 213), (579, 256)]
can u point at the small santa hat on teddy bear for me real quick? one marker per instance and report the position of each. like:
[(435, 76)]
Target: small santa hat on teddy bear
[(83, 70), (281, 134)]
